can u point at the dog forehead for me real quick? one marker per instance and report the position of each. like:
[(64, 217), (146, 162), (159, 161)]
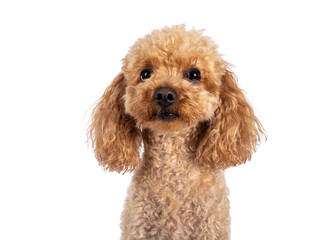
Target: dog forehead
[(172, 43), (174, 39)]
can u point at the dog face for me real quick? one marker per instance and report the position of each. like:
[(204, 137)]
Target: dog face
[(173, 79)]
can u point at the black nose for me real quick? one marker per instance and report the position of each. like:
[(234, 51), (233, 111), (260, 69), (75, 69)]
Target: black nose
[(165, 96)]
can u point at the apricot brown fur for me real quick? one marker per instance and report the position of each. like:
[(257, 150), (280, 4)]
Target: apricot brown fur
[(178, 189)]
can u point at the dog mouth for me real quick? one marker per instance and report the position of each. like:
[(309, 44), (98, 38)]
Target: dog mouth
[(165, 116)]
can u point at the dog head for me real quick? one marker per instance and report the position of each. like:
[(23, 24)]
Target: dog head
[(173, 79)]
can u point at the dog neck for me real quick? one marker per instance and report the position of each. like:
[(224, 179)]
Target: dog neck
[(168, 149)]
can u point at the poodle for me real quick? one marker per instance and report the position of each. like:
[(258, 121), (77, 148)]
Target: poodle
[(177, 102)]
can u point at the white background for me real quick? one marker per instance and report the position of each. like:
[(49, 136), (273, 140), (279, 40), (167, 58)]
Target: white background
[(57, 57)]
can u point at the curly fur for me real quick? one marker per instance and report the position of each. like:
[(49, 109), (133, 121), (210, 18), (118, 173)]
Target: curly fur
[(178, 190), (115, 137)]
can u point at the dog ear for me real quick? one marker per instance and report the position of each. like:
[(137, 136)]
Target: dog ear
[(232, 135), (113, 133)]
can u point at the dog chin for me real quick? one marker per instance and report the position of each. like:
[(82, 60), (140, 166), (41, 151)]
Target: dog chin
[(165, 123)]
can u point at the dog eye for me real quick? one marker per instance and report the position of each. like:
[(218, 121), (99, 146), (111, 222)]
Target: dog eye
[(193, 75), (145, 74)]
